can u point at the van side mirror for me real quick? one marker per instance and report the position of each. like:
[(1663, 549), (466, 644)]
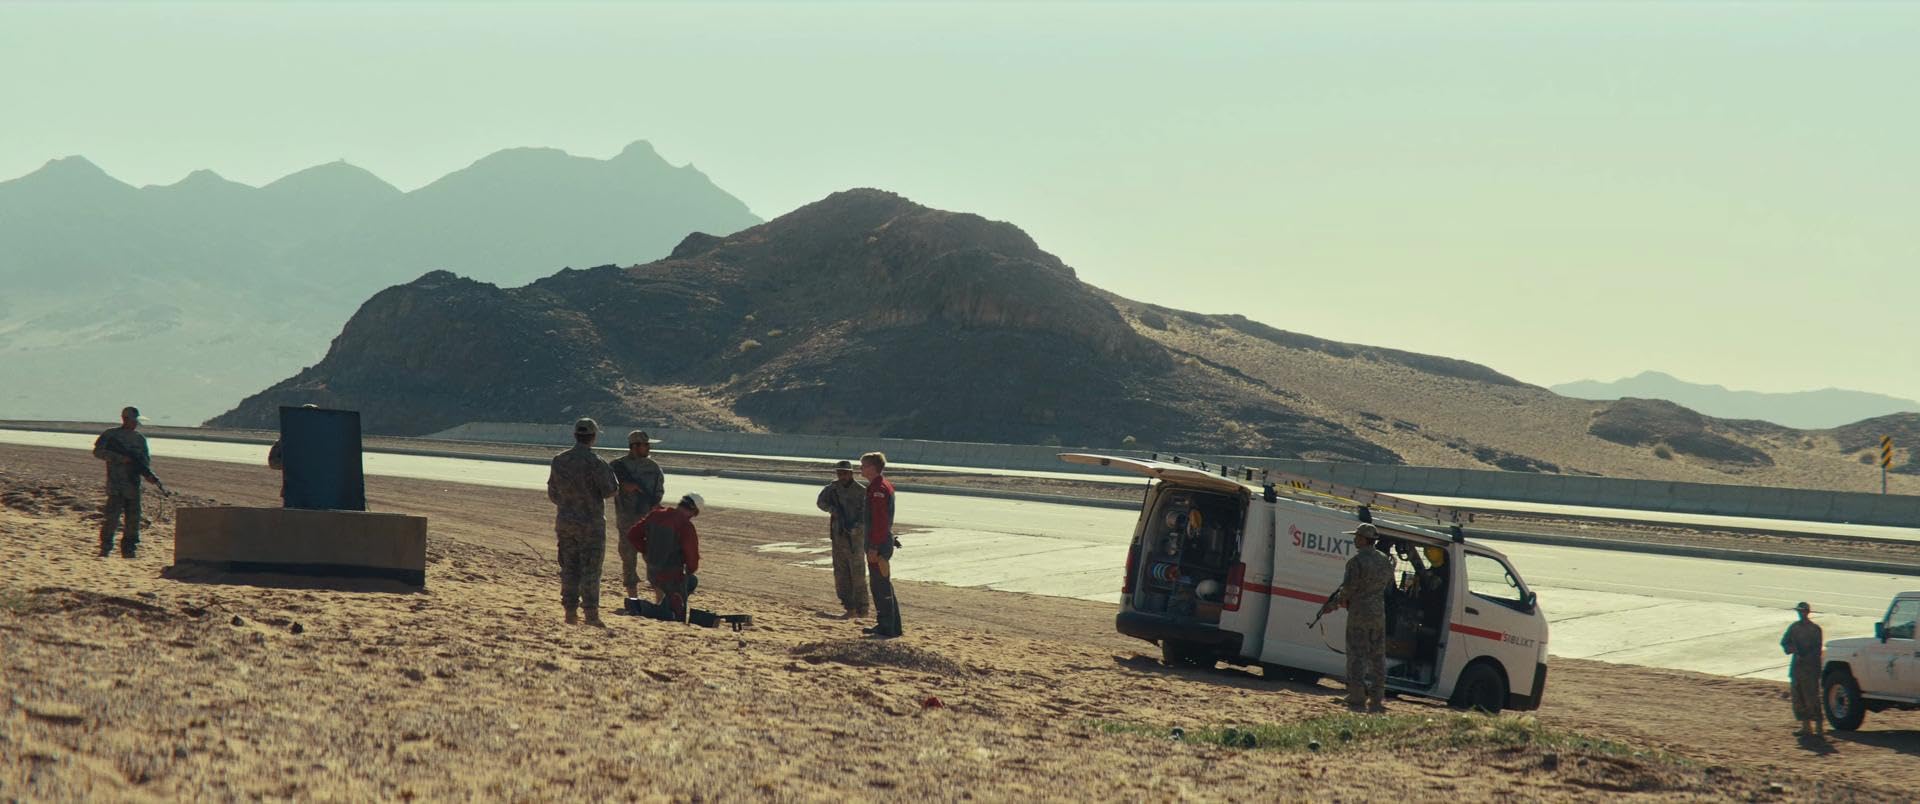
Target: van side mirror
[(1531, 600), (1880, 631)]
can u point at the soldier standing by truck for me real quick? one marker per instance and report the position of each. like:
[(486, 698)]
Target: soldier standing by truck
[(845, 501), (1804, 641), (1363, 592), (642, 486), (125, 452), (579, 484)]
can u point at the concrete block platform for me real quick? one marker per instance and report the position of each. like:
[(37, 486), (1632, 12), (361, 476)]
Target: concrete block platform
[(305, 542)]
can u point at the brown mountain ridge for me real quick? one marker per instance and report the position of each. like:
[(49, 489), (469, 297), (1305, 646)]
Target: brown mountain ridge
[(867, 314)]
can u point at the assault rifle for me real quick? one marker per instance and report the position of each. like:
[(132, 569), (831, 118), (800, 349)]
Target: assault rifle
[(1330, 605), (139, 463)]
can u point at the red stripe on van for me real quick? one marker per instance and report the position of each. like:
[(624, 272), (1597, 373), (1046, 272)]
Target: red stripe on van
[(1281, 591), (1479, 632)]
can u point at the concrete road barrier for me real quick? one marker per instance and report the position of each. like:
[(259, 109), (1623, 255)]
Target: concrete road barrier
[(297, 541)]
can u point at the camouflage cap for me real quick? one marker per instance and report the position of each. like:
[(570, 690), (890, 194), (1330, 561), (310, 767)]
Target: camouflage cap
[(640, 437), (586, 426), (1803, 607), (1365, 531), (843, 466)]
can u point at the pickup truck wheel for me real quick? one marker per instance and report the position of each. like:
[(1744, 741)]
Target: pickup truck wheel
[(1184, 654), (1481, 687), (1841, 694)]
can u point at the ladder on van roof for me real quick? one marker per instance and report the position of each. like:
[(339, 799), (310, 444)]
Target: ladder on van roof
[(1276, 479)]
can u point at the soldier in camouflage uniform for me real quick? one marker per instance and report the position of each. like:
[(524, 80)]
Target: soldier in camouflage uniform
[(1804, 641), (123, 481), (1364, 594), (642, 486), (579, 484), (845, 500)]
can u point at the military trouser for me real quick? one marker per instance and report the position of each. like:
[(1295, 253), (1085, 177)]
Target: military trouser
[(850, 570), (1806, 691), (122, 505), (629, 559), (1366, 663), (886, 604), (583, 547)]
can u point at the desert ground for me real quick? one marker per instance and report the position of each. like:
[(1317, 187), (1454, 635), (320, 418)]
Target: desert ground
[(126, 680)]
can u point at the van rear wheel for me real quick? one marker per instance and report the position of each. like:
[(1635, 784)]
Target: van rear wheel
[(1174, 653), (1481, 687)]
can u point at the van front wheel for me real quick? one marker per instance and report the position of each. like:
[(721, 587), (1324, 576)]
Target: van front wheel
[(1184, 654), (1481, 687)]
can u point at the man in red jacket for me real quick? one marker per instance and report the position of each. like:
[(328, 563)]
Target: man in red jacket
[(672, 549), (880, 544)]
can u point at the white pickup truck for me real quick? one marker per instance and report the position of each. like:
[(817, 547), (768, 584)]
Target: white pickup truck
[(1874, 674)]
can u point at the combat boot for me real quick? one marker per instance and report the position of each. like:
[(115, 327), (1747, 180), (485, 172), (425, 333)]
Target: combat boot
[(593, 617), (572, 616)]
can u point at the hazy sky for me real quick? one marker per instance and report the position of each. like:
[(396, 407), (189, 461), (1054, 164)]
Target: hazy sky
[(1726, 192)]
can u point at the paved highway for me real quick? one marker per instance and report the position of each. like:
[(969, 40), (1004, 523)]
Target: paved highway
[(1465, 503), (1710, 616)]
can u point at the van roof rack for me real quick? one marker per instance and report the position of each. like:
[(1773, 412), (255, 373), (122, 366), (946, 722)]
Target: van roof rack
[(1274, 478)]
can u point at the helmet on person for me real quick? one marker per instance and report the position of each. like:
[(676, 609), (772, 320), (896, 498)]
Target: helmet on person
[(1436, 556), (694, 501)]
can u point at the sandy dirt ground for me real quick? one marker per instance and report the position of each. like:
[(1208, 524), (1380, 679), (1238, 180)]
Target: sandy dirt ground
[(124, 680)]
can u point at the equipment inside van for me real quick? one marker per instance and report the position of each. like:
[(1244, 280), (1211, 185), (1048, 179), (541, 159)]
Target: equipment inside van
[(1233, 565)]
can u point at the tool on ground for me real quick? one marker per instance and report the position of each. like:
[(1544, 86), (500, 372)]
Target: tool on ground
[(692, 616)]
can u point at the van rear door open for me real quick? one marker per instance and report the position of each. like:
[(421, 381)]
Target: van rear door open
[(1184, 579), (1183, 475)]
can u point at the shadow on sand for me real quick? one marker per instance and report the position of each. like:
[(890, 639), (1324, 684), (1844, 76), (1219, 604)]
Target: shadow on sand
[(1816, 744), (192, 573), (1904, 741), (1234, 677)]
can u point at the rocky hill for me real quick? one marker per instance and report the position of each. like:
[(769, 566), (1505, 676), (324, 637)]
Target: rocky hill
[(865, 313), (182, 297)]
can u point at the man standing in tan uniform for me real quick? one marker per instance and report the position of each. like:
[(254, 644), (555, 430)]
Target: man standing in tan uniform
[(845, 501), (1804, 642), (642, 486)]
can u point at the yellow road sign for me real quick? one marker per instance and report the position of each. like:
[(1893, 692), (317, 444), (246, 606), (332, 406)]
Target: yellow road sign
[(1886, 451)]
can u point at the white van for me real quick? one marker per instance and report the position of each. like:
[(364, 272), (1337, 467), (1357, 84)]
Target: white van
[(1222, 569)]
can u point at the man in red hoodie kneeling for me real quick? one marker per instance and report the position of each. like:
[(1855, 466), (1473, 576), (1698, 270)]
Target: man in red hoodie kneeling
[(666, 538)]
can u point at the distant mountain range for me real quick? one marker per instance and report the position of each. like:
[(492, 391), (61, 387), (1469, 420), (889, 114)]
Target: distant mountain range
[(185, 296), (1827, 408), (867, 314)]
